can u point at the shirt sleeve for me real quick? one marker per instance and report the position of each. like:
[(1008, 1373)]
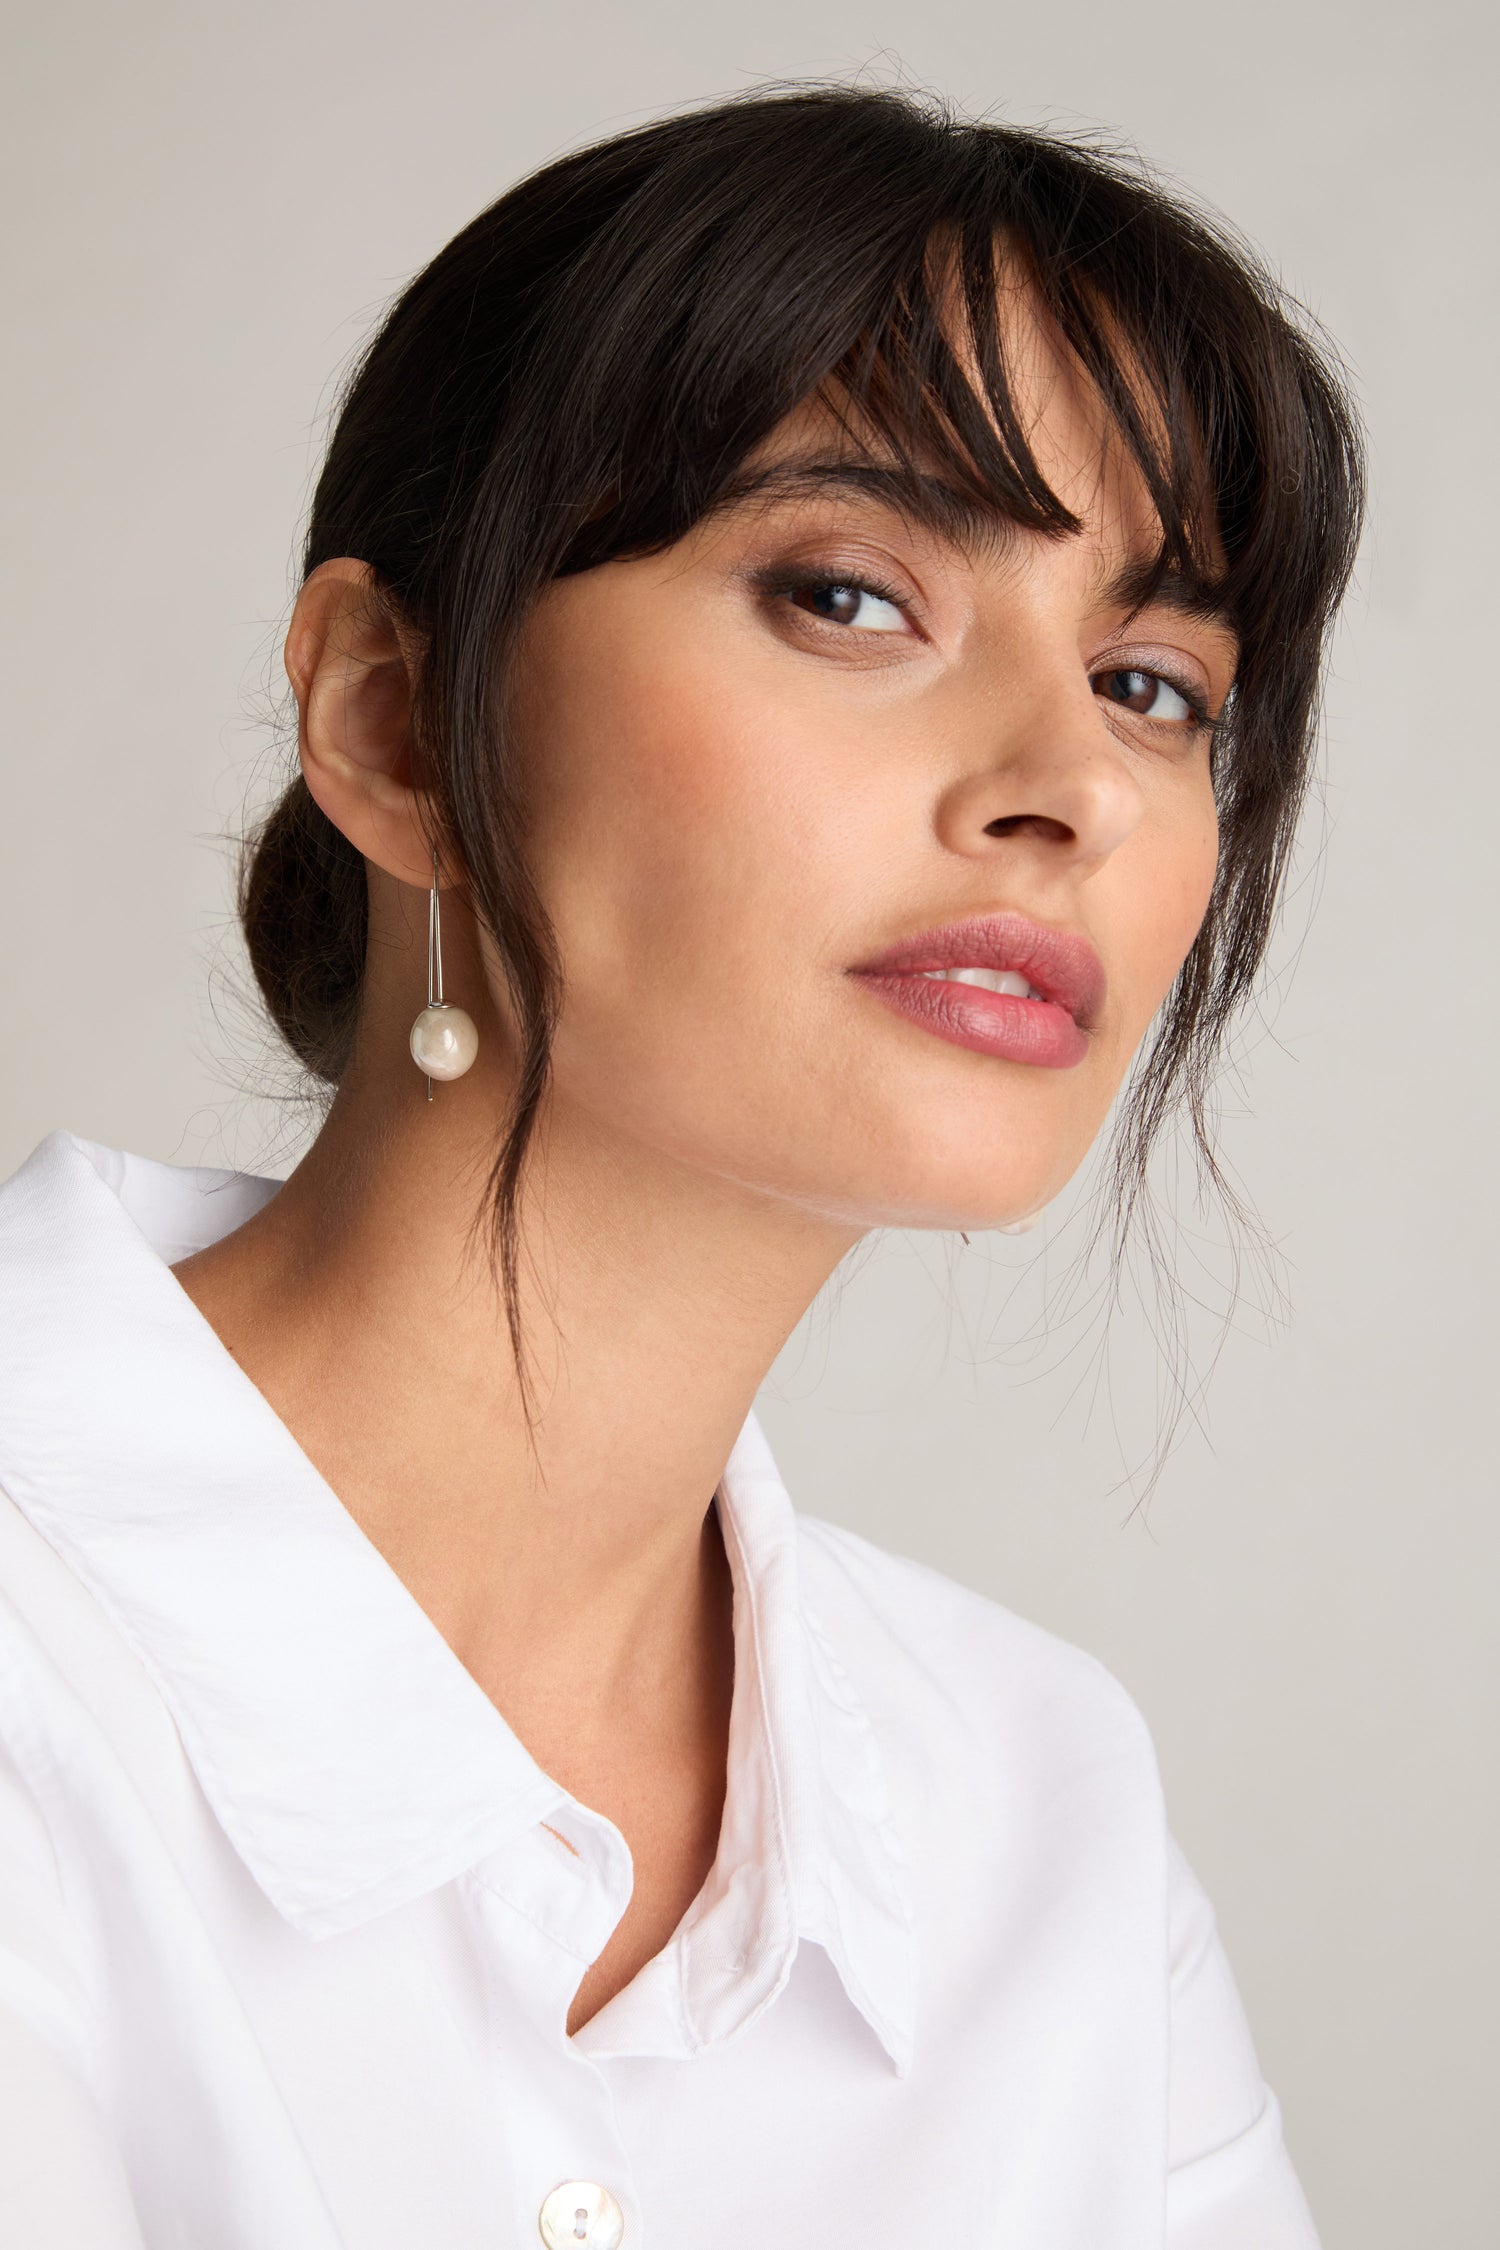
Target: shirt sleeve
[(1230, 2182), (62, 2181)]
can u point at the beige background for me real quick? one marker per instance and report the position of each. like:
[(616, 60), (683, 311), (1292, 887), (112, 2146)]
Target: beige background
[(205, 209)]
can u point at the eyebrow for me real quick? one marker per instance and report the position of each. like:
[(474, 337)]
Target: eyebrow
[(1148, 582), (978, 529)]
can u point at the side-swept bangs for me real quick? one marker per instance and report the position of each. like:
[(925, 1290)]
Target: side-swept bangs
[(584, 373)]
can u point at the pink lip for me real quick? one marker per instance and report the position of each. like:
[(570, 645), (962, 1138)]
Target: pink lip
[(1050, 1032)]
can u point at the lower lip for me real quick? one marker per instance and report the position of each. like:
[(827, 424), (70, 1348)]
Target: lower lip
[(991, 1023)]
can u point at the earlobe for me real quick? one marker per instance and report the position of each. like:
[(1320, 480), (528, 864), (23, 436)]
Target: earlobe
[(350, 671)]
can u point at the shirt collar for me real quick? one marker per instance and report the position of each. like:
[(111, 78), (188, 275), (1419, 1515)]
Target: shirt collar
[(355, 1773)]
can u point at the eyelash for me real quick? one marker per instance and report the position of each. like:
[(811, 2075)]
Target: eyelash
[(780, 582), (774, 583)]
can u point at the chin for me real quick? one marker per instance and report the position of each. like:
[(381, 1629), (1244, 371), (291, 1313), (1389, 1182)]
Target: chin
[(967, 1198), (978, 1168)]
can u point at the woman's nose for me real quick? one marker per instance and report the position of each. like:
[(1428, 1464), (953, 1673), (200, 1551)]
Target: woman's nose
[(1051, 775)]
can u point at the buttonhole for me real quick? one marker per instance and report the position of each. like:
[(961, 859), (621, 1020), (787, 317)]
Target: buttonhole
[(567, 1847)]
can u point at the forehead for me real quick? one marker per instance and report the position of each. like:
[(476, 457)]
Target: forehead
[(1063, 419), (1025, 382)]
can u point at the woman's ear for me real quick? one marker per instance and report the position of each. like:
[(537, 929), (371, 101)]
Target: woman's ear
[(350, 669)]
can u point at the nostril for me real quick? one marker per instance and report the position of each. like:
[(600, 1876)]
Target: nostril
[(1042, 824)]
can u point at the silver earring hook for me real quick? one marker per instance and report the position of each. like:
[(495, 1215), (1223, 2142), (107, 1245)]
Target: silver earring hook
[(434, 949), (434, 943)]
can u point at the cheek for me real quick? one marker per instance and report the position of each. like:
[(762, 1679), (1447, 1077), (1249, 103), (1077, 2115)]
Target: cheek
[(683, 814), (1164, 889), (685, 836)]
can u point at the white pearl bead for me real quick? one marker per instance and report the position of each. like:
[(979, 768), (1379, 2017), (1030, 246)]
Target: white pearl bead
[(444, 1041)]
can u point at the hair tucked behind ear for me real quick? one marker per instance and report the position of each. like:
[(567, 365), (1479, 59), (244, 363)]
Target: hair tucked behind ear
[(583, 372)]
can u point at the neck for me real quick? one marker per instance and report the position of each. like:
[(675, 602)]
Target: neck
[(571, 1561)]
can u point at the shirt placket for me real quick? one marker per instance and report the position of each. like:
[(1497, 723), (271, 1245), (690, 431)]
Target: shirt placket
[(545, 1907)]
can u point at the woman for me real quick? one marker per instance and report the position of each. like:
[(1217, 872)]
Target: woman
[(807, 655)]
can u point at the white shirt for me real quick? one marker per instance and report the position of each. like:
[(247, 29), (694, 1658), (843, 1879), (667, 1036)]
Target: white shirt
[(290, 1920)]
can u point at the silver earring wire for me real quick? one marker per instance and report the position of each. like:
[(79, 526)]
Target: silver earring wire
[(434, 950)]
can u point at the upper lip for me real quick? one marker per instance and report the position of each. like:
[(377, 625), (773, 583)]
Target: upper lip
[(1063, 966)]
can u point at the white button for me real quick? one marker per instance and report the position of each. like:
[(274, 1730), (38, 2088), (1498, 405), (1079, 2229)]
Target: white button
[(580, 2212)]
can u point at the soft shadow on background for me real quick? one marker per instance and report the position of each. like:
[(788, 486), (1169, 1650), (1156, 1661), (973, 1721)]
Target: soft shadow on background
[(206, 209)]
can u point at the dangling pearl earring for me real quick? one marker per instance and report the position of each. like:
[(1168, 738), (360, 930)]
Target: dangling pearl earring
[(444, 1041)]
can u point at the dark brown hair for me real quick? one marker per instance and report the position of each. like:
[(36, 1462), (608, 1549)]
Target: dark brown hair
[(581, 374)]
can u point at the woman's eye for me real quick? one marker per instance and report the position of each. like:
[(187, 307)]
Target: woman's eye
[(1148, 695), (847, 602)]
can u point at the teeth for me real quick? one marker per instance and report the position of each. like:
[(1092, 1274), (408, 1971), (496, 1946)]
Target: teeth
[(989, 980)]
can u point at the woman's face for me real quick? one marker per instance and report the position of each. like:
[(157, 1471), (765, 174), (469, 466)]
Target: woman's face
[(766, 760)]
